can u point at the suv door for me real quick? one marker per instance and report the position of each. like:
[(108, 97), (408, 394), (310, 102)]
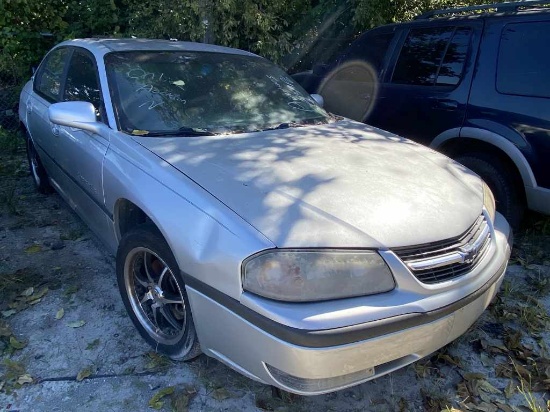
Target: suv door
[(350, 88), (425, 91), (80, 153), (47, 88), (511, 92)]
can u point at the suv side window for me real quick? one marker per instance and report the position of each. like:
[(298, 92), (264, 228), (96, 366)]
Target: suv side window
[(82, 80), (523, 60), (48, 80), (433, 56), (371, 48)]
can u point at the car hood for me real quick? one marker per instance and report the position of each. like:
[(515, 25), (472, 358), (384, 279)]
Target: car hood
[(343, 184)]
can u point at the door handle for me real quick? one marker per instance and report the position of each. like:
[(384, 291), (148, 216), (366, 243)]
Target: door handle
[(29, 108), (445, 104), (55, 130)]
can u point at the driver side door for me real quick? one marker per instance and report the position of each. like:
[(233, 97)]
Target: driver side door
[(80, 153)]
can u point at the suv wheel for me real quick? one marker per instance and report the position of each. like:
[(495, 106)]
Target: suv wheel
[(507, 190)]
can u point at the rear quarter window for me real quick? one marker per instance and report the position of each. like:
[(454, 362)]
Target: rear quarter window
[(524, 60), (50, 75)]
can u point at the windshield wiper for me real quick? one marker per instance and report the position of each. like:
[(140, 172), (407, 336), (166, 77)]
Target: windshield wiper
[(182, 131), (286, 125)]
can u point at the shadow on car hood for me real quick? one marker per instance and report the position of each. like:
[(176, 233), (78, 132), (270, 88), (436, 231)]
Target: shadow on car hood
[(343, 184)]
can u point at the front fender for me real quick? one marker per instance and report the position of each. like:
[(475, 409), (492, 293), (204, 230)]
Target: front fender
[(208, 240)]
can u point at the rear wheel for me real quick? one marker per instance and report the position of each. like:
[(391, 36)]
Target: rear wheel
[(506, 187), (38, 173), (153, 292)]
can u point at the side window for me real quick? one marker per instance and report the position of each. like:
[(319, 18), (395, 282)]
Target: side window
[(48, 79), (433, 56), (523, 60), (371, 48), (82, 80), (452, 67)]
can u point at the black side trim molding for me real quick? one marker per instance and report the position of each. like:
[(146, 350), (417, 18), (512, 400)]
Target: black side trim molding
[(339, 336)]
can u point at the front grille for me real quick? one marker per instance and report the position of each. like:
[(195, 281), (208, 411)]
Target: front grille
[(448, 259)]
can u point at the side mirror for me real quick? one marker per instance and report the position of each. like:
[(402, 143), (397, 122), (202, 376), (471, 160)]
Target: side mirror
[(318, 99), (81, 115)]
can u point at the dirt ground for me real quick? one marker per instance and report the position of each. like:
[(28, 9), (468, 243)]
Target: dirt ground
[(66, 343)]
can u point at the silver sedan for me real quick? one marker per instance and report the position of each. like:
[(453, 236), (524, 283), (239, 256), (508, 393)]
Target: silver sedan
[(304, 250)]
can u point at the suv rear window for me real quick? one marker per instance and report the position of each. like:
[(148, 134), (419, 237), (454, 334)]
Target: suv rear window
[(523, 60), (433, 56)]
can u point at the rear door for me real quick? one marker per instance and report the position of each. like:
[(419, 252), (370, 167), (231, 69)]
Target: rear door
[(47, 88), (426, 88), (511, 92)]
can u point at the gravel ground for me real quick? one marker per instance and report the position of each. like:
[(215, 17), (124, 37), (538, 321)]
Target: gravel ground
[(66, 343)]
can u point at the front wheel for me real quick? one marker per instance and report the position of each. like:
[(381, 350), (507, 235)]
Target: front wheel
[(507, 189), (154, 295)]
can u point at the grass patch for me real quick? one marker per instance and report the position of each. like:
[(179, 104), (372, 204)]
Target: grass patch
[(8, 198), (10, 141), (532, 243)]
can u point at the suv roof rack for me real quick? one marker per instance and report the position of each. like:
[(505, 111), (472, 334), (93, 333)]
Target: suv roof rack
[(511, 7)]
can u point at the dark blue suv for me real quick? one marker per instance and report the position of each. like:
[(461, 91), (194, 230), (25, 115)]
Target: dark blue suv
[(473, 83)]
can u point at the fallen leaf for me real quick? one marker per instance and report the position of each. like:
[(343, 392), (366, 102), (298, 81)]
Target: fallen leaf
[(485, 407), (510, 389), (473, 376), (5, 329), (34, 302), (220, 394), (60, 313), (37, 295), (84, 373), (449, 359), (71, 290), (93, 344), (180, 399), (504, 407), (156, 401), (27, 292), (8, 313), (26, 378), (15, 344), (485, 360), (33, 249), (76, 324), (485, 386)]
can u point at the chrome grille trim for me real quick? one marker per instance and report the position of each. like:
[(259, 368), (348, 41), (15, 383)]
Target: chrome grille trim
[(441, 261)]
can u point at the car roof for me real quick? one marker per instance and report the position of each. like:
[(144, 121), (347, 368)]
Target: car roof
[(107, 45)]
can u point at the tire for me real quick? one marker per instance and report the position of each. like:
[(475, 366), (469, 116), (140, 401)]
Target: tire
[(153, 292), (36, 169), (506, 187)]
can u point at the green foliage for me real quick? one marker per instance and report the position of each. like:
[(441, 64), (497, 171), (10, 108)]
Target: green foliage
[(21, 22), (372, 13), (261, 26), (268, 27)]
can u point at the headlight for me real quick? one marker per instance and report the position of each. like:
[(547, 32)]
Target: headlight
[(489, 201), (314, 275)]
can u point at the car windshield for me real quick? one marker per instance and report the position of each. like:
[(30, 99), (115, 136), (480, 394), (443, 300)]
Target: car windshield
[(190, 93)]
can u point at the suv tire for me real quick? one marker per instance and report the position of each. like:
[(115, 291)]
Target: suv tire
[(506, 188)]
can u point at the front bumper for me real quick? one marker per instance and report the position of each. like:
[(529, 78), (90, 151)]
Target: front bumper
[(315, 361)]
